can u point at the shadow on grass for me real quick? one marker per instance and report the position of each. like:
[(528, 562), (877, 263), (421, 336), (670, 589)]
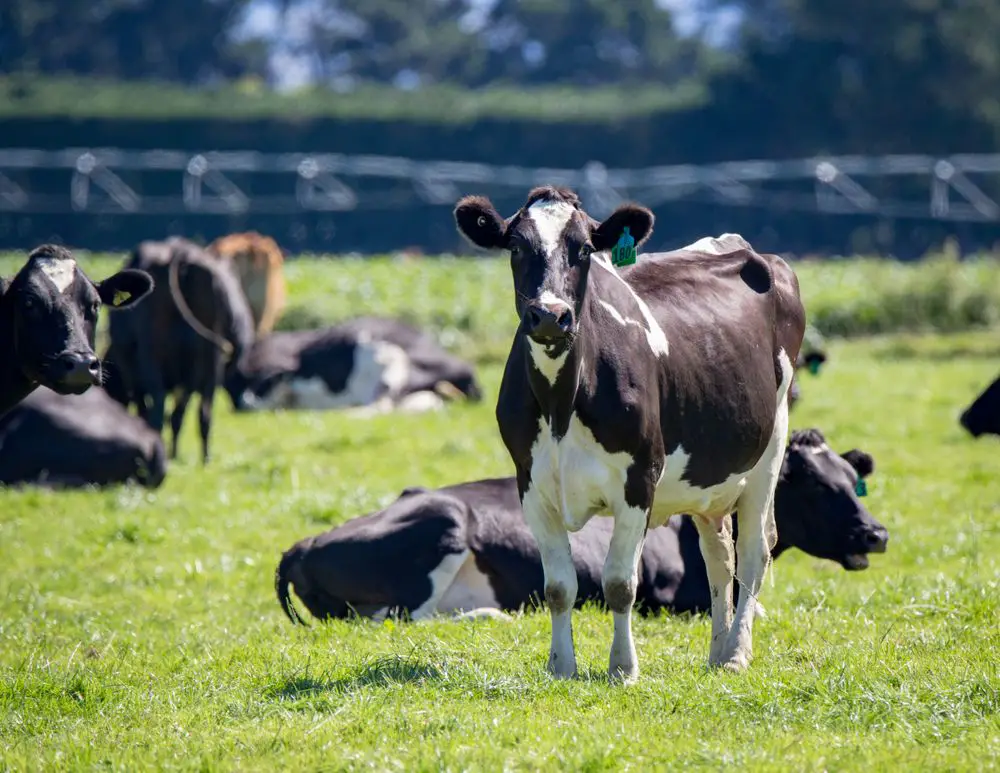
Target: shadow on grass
[(384, 672)]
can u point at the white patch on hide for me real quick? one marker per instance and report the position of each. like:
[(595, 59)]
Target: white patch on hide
[(654, 333), (470, 590), (59, 271), (725, 244)]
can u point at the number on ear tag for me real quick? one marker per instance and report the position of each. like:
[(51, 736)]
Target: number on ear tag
[(861, 488), (624, 253)]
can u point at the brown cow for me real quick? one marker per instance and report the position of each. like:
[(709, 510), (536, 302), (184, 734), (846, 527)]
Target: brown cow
[(258, 262)]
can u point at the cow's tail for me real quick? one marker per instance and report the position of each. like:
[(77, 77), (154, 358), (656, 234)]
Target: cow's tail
[(185, 311), (281, 583)]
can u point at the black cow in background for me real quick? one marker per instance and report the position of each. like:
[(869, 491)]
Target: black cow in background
[(466, 548), (812, 357), (179, 341), (983, 416), (371, 362), (78, 440), (48, 320)]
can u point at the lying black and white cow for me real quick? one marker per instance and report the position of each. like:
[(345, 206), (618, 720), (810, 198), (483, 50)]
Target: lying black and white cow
[(647, 391), (78, 440), (467, 548), (367, 362), (983, 416), (48, 320)]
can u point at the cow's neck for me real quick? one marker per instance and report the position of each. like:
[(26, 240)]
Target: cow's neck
[(556, 384), (14, 384)]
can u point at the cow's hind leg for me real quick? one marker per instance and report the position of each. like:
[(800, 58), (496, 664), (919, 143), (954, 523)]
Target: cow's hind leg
[(620, 580), (181, 399), (716, 541), (205, 397), (561, 584), (757, 535)]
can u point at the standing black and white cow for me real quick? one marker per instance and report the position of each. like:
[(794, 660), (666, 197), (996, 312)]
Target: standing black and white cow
[(48, 320), (466, 549), (657, 390)]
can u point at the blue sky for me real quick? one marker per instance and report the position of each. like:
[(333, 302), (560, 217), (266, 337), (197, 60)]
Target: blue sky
[(292, 70)]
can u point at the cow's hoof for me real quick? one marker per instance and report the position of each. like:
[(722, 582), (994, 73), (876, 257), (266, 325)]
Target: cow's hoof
[(562, 668), (736, 664), (623, 673)]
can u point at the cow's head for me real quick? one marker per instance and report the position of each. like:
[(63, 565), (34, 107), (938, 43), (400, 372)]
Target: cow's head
[(983, 416), (50, 310), (818, 502), (550, 240)]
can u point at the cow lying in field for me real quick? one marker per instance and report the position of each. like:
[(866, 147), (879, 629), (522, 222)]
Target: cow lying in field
[(195, 325), (78, 440), (983, 416), (367, 362), (258, 263), (467, 548), (48, 321)]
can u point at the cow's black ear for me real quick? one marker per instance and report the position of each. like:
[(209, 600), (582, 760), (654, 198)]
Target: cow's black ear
[(863, 463), (637, 219), (124, 289), (480, 223)]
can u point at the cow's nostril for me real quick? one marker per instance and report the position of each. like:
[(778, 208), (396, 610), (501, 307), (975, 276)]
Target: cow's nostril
[(876, 539), (94, 365), (564, 319)]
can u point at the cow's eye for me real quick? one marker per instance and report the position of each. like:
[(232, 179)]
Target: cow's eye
[(95, 307), (515, 252)]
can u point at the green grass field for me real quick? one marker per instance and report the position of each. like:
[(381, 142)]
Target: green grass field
[(140, 630)]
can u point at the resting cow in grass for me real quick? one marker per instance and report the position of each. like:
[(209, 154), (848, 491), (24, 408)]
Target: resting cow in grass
[(983, 416), (467, 548), (369, 363), (48, 320), (78, 440), (643, 392), (194, 329)]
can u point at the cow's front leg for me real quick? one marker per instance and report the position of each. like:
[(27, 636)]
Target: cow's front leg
[(620, 580), (560, 579)]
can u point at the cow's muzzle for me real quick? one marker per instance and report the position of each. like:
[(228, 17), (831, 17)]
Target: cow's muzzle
[(548, 322), (74, 373)]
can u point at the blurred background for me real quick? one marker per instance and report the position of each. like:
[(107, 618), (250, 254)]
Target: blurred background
[(810, 126)]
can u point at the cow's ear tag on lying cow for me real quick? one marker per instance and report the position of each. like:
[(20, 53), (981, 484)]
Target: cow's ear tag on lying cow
[(623, 253), (120, 297), (814, 366), (861, 488)]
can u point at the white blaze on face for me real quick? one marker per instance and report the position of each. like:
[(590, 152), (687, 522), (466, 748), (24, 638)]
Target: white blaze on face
[(59, 271), (550, 219)]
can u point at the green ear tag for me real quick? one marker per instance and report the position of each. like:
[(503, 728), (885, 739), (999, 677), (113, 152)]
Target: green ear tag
[(861, 489), (623, 253), (814, 366), (120, 297)]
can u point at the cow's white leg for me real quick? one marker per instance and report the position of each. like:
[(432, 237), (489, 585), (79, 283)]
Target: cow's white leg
[(560, 579), (716, 541), (620, 580), (757, 535)]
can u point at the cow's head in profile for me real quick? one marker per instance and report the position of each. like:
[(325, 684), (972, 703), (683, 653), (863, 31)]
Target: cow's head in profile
[(550, 241), (983, 416), (48, 313), (819, 507)]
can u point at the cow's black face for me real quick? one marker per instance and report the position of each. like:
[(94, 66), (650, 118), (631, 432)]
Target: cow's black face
[(983, 416), (550, 240), (53, 308), (818, 503)]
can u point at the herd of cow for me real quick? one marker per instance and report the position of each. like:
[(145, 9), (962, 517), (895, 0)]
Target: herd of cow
[(657, 393)]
